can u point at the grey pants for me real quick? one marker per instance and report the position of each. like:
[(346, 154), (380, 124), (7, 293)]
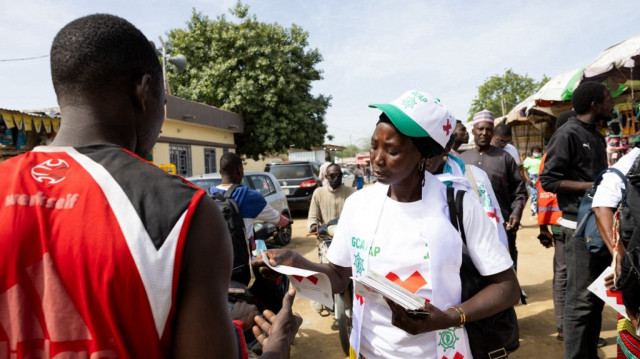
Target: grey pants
[(559, 279), (582, 309)]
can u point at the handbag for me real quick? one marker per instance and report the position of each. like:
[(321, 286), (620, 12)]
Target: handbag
[(586, 227), (495, 336)]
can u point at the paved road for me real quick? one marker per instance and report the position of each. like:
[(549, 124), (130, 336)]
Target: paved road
[(318, 336)]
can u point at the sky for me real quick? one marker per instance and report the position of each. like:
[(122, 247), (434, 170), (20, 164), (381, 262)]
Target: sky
[(373, 50)]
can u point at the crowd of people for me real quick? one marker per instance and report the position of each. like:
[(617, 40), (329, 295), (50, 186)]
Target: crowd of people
[(106, 255)]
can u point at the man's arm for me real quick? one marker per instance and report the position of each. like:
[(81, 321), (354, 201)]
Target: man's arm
[(314, 217), (604, 222), (557, 162), (203, 327), (517, 191)]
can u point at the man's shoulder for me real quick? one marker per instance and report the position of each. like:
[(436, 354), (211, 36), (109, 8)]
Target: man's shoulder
[(347, 190)]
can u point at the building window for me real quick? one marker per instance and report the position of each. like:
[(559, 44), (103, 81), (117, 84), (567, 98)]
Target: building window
[(180, 156), (210, 160)]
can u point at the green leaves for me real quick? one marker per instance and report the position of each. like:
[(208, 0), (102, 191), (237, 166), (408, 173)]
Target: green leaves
[(262, 71), (514, 88)]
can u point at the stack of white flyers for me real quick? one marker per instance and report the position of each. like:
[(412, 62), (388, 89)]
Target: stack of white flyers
[(391, 290)]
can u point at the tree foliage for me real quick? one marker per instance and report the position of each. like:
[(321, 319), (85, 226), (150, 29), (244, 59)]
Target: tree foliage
[(514, 88), (260, 70)]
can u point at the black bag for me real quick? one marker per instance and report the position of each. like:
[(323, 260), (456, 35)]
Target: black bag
[(630, 204), (586, 227), (498, 335), (628, 282), (241, 253)]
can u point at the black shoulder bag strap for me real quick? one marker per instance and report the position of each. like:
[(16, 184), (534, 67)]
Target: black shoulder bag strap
[(455, 211), (459, 199)]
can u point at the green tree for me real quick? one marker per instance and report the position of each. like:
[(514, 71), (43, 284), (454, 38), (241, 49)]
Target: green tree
[(262, 71), (514, 88)]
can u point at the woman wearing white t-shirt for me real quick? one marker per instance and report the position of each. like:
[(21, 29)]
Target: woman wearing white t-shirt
[(400, 228)]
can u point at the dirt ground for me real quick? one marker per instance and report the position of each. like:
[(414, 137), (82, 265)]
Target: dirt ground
[(318, 335)]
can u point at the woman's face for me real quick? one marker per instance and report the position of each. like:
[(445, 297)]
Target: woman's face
[(393, 156)]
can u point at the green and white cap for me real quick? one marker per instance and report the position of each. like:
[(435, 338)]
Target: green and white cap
[(419, 114)]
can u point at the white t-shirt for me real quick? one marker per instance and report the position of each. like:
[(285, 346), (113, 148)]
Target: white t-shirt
[(609, 192), (400, 249), (513, 151)]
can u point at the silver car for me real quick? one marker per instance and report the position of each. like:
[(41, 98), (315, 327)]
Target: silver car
[(263, 182)]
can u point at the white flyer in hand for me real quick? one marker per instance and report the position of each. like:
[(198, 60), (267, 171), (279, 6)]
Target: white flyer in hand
[(612, 297), (308, 284), (376, 282)]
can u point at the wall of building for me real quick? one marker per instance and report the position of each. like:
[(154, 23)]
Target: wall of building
[(185, 134)]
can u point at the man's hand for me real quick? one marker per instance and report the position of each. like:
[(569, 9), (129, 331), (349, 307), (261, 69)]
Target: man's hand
[(546, 239), (245, 312), (275, 257), (610, 280), (276, 332), (283, 222), (513, 224), (313, 228)]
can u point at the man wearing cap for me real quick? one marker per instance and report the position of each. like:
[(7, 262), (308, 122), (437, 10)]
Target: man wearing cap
[(503, 174)]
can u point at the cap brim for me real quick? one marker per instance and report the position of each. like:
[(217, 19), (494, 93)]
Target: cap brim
[(405, 124)]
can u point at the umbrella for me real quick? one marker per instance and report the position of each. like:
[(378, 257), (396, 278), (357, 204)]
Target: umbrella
[(559, 88), (620, 63)]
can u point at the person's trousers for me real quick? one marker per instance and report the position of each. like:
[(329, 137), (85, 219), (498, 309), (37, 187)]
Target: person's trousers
[(583, 309), (559, 279), (533, 195)]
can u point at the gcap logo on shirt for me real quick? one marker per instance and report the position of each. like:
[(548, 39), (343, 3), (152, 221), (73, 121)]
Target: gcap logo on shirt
[(50, 171)]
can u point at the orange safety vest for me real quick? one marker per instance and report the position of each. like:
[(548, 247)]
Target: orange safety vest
[(548, 208)]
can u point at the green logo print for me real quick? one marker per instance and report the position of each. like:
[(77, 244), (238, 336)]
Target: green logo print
[(409, 101), (448, 339), (358, 262)]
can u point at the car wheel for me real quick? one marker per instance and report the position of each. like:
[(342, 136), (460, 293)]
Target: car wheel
[(283, 237)]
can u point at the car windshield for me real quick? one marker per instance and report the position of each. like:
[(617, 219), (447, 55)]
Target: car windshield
[(206, 183), (291, 171)]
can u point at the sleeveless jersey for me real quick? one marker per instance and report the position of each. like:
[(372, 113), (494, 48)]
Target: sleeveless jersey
[(91, 243)]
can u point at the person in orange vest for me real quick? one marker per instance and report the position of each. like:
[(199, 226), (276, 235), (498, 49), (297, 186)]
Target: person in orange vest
[(548, 214)]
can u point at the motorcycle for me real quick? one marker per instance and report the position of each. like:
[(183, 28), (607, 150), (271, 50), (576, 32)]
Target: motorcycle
[(342, 302), (276, 237)]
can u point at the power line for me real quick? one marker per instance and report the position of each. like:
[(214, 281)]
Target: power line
[(24, 58)]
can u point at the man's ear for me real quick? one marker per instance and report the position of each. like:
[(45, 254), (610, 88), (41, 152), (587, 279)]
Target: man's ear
[(142, 91)]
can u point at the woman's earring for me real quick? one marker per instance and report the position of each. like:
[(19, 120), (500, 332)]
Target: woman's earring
[(421, 166)]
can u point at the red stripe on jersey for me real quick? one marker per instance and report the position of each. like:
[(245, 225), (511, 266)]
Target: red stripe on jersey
[(68, 268)]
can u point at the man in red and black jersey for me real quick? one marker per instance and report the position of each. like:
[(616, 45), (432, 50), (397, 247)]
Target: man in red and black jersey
[(103, 254)]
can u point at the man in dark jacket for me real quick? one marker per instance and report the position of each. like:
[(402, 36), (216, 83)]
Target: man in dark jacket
[(575, 156)]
